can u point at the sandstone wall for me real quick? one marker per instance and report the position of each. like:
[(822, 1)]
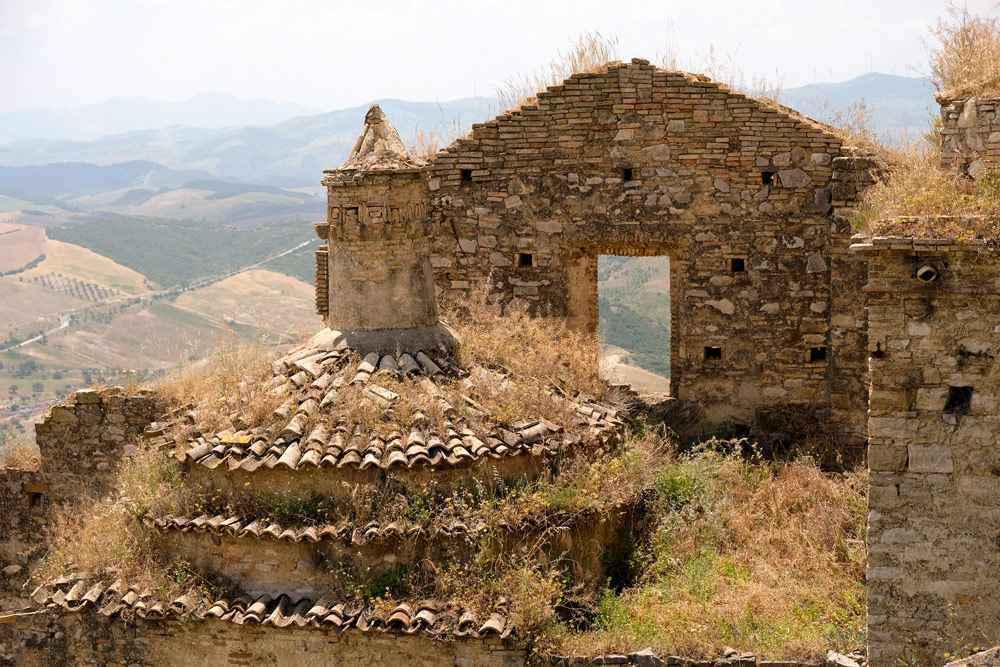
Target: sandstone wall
[(81, 442), (73, 639), (749, 202), (970, 135), (934, 522), (378, 273)]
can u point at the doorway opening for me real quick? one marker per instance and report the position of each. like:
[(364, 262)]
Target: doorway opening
[(633, 305)]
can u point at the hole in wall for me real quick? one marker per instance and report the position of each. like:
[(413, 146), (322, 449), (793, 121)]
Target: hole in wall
[(627, 174), (767, 178), (959, 400), (466, 175), (35, 498), (713, 353), (525, 259), (737, 265), (817, 354), (741, 430)]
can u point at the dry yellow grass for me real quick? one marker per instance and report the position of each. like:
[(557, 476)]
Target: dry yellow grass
[(20, 246), (965, 53), (916, 197), (766, 557), (18, 456), (591, 52), (230, 381)]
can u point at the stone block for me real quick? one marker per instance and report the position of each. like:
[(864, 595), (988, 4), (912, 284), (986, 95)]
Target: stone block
[(887, 458), (88, 396), (930, 458), (932, 398)]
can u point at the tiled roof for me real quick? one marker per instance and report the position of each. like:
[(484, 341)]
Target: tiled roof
[(343, 530), (312, 378), (77, 594)]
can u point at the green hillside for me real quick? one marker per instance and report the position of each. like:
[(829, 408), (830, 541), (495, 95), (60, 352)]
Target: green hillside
[(634, 308), (179, 252)]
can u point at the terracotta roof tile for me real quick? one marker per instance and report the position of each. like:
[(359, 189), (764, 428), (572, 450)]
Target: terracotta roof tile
[(79, 594), (306, 439)]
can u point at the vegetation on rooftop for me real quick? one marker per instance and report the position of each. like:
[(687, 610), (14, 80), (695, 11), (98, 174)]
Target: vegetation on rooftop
[(913, 194), (917, 197), (713, 544), (964, 53)]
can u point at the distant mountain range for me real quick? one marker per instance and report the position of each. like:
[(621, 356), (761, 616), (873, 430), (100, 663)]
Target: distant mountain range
[(292, 153), (128, 114), (161, 169), (901, 107)]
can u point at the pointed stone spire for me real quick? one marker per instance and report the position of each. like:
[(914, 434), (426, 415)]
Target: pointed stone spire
[(374, 283), (379, 146)]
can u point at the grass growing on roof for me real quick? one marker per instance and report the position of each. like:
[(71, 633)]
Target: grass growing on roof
[(916, 197), (965, 53), (768, 557)]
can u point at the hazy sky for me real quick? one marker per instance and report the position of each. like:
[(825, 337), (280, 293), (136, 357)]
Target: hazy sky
[(331, 54)]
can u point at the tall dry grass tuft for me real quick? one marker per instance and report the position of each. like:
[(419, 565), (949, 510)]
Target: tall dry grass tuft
[(428, 142), (725, 68), (590, 53), (229, 382), (525, 346), (966, 57), (107, 537), (18, 455)]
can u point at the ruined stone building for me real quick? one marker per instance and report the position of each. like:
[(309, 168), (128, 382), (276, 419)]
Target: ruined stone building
[(890, 341), (749, 201)]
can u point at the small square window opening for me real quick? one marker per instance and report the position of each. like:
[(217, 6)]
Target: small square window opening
[(712, 353), (627, 174), (737, 265), (525, 259), (817, 354), (766, 177), (467, 175), (959, 400)]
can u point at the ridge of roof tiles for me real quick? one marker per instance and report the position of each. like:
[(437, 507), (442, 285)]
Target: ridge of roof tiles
[(344, 529), (77, 594), (313, 377)]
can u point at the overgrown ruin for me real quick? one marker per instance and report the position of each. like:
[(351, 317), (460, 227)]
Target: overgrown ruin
[(751, 201)]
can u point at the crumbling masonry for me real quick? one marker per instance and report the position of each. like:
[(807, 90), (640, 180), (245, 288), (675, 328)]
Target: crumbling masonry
[(751, 203), (748, 200)]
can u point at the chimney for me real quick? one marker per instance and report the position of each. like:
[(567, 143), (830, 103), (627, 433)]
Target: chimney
[(374, 282)]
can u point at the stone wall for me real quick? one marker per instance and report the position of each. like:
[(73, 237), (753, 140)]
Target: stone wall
[(934, 499), (81, 442), (748, 200), (970, 135), (379, 275), (89, 639)]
